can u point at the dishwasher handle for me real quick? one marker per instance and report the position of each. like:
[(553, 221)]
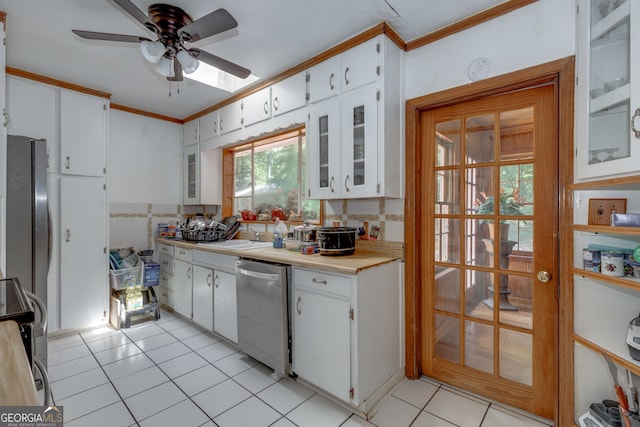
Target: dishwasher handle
[(258, 275)]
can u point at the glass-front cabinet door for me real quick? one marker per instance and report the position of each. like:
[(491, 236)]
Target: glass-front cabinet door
[(191, 177), (323, 156), (359, 155), (608, 108)]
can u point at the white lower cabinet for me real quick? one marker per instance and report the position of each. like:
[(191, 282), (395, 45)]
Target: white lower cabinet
[(203, 296), (183, 287), (225, 310), (347, 332), (322, 341)]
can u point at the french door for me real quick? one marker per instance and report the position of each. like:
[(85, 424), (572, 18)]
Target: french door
[(489, 257)]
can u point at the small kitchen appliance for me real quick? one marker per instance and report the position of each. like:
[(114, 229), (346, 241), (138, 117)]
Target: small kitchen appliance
[(633, 338), (337, 240)]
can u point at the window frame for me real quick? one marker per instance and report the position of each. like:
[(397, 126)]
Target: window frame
[(228, 172)]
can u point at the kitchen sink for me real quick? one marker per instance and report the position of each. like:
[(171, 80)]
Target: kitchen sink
[(239, 244)]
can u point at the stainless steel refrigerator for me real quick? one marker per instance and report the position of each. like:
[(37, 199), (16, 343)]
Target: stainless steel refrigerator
[(28, 229)]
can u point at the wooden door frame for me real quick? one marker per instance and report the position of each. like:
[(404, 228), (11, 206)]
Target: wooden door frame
[(560, 73)]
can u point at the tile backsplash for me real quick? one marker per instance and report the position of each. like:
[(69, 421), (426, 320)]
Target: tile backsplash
[(136, 224)]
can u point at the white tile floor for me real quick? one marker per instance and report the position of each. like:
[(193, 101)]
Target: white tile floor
[(171, 373)]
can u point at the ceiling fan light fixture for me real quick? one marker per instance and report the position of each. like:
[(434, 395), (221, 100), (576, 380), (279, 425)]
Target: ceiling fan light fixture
[(152, 51), (189, 64), (165, 67)]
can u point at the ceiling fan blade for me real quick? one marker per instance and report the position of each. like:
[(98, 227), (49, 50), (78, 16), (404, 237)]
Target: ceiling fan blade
[(219, 63), (136, 13), (177, 72), (108, 36), (209, 25)]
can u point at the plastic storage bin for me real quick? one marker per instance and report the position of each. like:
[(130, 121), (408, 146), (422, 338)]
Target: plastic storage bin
[(122, 278)]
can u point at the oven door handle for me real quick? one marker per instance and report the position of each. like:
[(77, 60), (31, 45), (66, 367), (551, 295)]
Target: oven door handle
[(258, 275)]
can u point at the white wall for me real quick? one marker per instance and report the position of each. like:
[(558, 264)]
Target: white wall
[(144, 159), (540, 32)]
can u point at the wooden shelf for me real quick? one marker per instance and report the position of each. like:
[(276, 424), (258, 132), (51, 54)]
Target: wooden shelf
[(626, 281), (606, 229), (623, 183), (633, 367)]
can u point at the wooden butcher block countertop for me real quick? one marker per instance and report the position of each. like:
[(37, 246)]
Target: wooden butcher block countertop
[(16, 380), (366, 255)]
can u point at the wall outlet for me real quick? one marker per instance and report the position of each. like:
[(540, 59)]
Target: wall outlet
[(600, 210)]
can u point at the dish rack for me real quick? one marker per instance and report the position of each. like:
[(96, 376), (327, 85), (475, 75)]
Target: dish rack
[(211, 230)]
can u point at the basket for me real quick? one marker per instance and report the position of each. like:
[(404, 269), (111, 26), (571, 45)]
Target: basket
[(122, 278)]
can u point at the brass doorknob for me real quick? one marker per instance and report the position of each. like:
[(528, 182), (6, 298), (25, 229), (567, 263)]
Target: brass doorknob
[(544, 276)]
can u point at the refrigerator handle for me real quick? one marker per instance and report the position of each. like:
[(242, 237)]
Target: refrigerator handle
[(38, 328)]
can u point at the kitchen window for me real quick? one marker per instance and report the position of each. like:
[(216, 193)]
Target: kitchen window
[(267, 178)]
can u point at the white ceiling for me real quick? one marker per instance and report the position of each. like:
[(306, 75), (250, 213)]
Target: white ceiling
[(271, 36)]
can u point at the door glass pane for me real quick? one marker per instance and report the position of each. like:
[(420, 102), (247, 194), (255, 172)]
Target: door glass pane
[(478, 294), (447, 338), (358, 145), (478, 346), (518, 303), (476, 244), (479, 139), (447, 245), (516, 189), (448, 143), (516, 134), (480, 189), (516, 356), (447, 192), (447, 297), (323, 146), (609, 112)]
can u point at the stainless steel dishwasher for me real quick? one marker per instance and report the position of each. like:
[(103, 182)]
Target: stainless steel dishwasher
[(263, 320)]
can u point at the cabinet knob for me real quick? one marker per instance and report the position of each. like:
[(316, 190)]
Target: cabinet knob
[(544, 276)]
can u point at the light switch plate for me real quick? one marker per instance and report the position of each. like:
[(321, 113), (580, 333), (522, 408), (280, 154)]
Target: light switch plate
[(600, 210)]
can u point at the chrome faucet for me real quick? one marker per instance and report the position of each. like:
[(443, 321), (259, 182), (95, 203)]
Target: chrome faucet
[(257, 234)]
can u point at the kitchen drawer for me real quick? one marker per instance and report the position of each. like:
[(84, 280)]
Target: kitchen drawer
[(165, 249), (166, 263), (182, 254), (215, 261), (323, 282)]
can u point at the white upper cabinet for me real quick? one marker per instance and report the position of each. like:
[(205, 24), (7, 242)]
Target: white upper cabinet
[(256, 107), (191, 175), (608, 91), (32, 110), (191, 132), (323, 80), (83, 134), (289, 94), (230, 117), (208, 125), (355, 153), (359, 66), (324, 153)]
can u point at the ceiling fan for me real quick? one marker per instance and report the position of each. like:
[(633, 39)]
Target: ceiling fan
[(173, 27)]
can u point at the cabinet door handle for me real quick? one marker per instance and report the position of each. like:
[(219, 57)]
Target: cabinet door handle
[(345, 183), (633, 123), (346, 80), (319, 282), (209, 279), (331, 184), (275, 103), (68, 162), (221, 128), (217, 281), (68, 235), (189, 273), (266, 106), (298, 305), (331, 86)]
